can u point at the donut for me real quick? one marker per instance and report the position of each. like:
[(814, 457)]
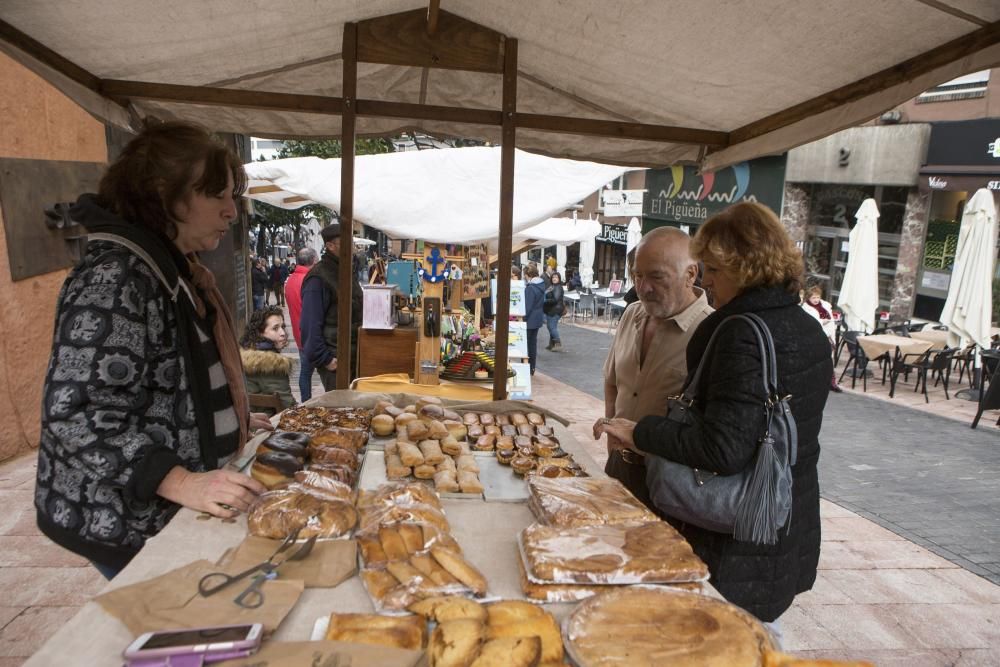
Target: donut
[(274, 468), (289, 442)]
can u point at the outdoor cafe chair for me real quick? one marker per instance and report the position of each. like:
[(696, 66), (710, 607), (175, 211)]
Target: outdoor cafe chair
[(989, 395), (587, 305), (839, 340), (916, 326), (965, 360), (904, 364), (939, 366), (857, 361)]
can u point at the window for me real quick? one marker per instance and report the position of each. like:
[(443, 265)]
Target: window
[(965, 87)]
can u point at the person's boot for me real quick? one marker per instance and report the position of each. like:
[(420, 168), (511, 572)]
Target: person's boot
[(557, 346), (550, 345)]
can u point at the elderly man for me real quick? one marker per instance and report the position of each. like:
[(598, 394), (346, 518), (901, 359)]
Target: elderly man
[(647, 363)]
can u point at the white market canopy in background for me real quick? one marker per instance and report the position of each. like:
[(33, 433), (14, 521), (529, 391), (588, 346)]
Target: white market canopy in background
[(741, 78), (559, 232), (448, 195)]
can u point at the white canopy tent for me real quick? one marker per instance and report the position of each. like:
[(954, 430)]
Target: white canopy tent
[(449, 195), (859, 291), (969, 307), (631, 240)]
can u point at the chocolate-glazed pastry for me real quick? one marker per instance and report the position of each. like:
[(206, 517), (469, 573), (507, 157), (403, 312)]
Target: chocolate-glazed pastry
[(274, 468), (508, 429), (289, 442)]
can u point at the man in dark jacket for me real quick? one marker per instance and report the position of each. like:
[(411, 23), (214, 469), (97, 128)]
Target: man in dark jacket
[(534, 315), (258, 283), (318, 323), (278, 275)]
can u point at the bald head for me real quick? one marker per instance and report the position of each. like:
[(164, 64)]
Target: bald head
[(665, 272)]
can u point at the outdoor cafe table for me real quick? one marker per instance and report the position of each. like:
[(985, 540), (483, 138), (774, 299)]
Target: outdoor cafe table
[(486, 531), (876, 346), (937, 336)]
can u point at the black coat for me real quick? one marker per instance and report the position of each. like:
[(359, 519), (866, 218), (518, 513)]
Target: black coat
[(762, 579), (259, 281)]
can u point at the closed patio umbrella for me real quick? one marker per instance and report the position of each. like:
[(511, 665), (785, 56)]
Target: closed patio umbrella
[(859, 291), (634, 235), (969, 305), (588, 248)]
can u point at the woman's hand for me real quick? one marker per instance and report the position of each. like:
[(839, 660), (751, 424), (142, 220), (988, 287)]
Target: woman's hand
[(209, 491), (618, 430), (260, 420)]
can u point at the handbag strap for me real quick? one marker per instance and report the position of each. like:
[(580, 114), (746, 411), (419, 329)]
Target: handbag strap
[(765, 346)]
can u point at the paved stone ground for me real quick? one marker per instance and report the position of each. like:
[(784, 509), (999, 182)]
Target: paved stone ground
[(926, 477)]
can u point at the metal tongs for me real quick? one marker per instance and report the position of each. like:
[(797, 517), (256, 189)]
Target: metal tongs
[(251, 597)]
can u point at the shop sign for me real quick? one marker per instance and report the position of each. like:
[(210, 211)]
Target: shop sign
[(613, 234), (683, 194), (967, 142), (622, 203)]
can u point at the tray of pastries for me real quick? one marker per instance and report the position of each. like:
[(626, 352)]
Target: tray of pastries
[(584, 501), (313, 511), (609, 554), (652, 626), (406, 632)]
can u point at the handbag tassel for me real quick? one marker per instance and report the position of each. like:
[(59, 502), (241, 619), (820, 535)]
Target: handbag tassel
[(757, 512)]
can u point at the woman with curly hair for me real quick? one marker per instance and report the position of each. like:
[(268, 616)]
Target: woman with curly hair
[(267, 370), (751, 266)]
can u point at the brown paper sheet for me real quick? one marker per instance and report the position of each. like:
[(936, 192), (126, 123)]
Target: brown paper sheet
[(327, 653), (172, 601), (329, 563)]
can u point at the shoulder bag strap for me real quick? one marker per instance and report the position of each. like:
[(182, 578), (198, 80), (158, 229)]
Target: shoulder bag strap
[(687, 394)]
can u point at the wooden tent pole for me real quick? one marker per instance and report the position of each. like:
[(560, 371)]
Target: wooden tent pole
[(501, 320), (346, 278)]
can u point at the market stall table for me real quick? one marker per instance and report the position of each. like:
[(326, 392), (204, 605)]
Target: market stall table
[(880, 344), (486, 531), (574, 298), (615, 304)]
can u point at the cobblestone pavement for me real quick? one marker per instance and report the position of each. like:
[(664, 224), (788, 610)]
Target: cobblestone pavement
[(927, 478)]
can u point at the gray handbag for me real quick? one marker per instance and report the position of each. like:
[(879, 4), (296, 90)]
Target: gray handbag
[(754, 504)]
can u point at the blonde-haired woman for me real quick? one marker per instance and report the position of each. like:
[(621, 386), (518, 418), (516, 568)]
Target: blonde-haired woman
[(751, 266)]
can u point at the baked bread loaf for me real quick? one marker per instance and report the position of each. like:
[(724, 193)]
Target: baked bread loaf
[(275, 468), (277, 514), (467, 462), (334, 472), (337, 456), (410, 453), (461, 569), (383, 425), (447, 464), (431, 451), (344, 437), (406, 632), (394, 468), (640, 625), (327, 484), (456, 643), (509, 652), (449, 608), (585, 501)]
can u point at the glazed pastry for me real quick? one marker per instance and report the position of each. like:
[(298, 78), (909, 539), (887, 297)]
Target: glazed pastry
[(430, 412), (449, 608), (502, 420), (535, 418), (544, 450), (522, 441), (544, 430), (522, 464), (508, 430), (470, 418), (346, 438), (505, 456), (526, 429), (505, 442), (288, 442), (484, 443), (275, 468), (475, 430), (406, 632), (518, 419), (337, 456), (491, 429), (333, 471)]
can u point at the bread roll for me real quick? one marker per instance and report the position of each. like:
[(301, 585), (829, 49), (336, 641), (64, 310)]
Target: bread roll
[(451, 446), (461, 569), (404, 572), (509, 652), (424, 471), (437, 430), (380, 407), (412, 536), (469, 482), (431, 451), (417, 431), (450, 415), (406, 632), (403, 419), (467, 462), (395, 469), (456, 643), (449, 608), (371, 550), (383, 425), (424, 401), (410, 454), (392, 543), (447, 464), (446, 481), (456, 429)]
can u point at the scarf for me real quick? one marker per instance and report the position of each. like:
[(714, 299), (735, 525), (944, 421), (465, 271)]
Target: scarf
[(224, 334), (824, 314)]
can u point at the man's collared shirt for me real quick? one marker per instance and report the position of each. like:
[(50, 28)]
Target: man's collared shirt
[(643, 389)]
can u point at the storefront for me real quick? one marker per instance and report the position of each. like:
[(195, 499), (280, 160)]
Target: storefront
[(685, 198), (962, 157)]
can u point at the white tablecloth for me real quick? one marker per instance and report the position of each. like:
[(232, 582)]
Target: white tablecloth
[(876, 346)]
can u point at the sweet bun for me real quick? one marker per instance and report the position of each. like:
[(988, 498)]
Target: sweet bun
[(470, 418), (393, 411), (417, 431), (475, 430), (451, 415), (518, 418), (491, 429), (469, 482), (274, 468), (410, 408), (336, 456), (410, 454), (424, 401), (383, 425), (505, 442), (446, 481), (429, 412), (437, 430), (394, 468), (535, 418)]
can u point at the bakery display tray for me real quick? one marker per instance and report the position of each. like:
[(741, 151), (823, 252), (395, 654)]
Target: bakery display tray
[(500, 484)]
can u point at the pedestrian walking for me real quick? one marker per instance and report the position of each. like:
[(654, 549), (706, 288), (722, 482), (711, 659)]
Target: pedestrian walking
[(534, 316), (258, 283), (278, 275), (305, 259), (554, 308)]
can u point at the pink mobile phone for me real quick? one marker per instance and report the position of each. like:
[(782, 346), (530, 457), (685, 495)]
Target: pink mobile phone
[(166, 647)]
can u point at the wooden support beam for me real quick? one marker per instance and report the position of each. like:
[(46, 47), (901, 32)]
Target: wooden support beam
[(47, 56), (293, 200), (262, 189), (501, 320), (346, 279), (433, 13), (852, 92), (427, 112), (622, 130), (230, 97)]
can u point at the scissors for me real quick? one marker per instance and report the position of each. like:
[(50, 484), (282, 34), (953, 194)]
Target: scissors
[(214, 582)]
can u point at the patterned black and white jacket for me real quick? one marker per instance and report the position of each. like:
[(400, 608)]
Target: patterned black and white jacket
[(120, 393)]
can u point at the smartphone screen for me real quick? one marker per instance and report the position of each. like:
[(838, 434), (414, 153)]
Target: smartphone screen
[(194, 637)]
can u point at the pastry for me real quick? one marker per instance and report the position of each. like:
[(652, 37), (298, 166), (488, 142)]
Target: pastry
[(467, 462), (585, 501), (470, 418), (508, 430), (424, 471), (640, 625), (486, 419), (450, 415), (435, 576), (779, 659), (346, 438), (451, 446), (437, 430), (522, 441), (456, 643), (372, 517), (543, 627), (335, 455), (403, 419), (512, 611), (526, 429), (447, 464), (410, 454), (475, 430), (449, 608), (412, 536), (446, 481), (485, 443), (411, 408), (383, 425), (392, 544), (509, 652), (522, 464), (431, 451), (469, 482), (553, 472), (393, 411), (505, 442), (288, 442), (274, 468), (388, 495), (431, 412), (404, 572), (491, 429), (417, 431), (535, 419), (394, 468), (333, 471), (406, 632), (544, 430), (391, 447), (277, 514), (518, 418), (502, 420), (456, 429), (371, 550), (505, 456), (544, 450), (424, 401), (461, 569), (327, 484)]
